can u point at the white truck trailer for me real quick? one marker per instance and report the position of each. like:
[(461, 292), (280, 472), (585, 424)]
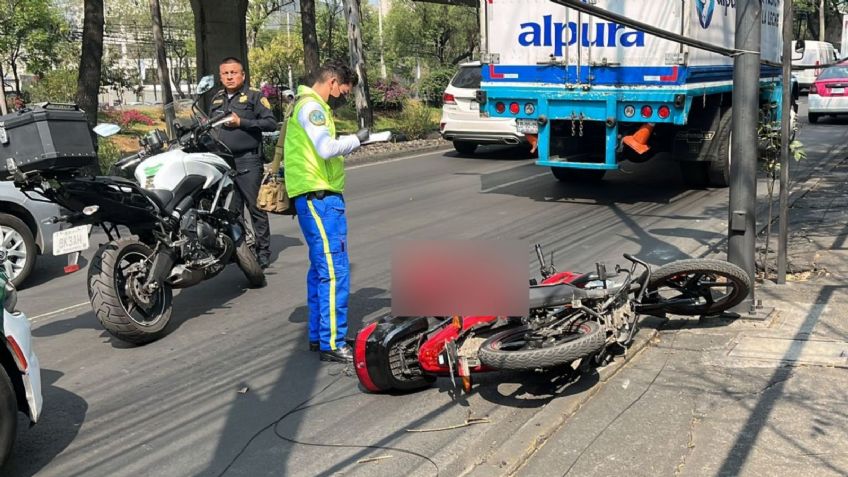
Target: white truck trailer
[(592, 93)]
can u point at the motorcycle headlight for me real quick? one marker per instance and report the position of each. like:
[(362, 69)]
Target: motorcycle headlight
[(11, 299)]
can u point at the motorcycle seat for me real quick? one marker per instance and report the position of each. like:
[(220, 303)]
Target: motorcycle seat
[(546, 296), (160, 197)]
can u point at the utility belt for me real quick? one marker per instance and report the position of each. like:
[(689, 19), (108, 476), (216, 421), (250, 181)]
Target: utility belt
[(319, 194)]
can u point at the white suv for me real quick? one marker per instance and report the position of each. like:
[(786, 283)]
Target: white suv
[(461, 121)]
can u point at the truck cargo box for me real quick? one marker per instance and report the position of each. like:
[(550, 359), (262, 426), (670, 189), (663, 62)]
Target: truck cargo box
[(50, 137), (541, 42)]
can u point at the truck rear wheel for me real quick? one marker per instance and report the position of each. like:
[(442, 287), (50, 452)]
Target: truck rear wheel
[(714, 172), (566, 174)]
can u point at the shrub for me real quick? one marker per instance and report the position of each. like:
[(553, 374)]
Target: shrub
[(388, 94), (58, 86), (432, 86), (415, 120), (132, 117), (108, 154)]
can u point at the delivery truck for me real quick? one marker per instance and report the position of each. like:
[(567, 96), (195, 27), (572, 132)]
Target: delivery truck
[(591, 93)]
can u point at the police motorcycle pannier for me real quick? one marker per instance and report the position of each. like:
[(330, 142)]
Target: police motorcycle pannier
[(46, 137)]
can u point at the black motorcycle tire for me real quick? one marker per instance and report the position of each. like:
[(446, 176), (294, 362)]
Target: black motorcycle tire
[(666, 274), (8, 415), (491, 354), (249, 264), (105, 294)]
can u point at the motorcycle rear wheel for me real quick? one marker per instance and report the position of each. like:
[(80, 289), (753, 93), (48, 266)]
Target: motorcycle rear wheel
[(109, 286), (714, 285), (509, 350)]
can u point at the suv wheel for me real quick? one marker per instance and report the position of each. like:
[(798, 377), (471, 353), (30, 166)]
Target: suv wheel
[(464, 147), (18, 246)]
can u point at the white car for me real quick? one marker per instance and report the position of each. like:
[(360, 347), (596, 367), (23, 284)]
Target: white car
[(461, 122), (815, 53), (20, 373)]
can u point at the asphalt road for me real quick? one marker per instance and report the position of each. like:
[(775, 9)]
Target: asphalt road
[(173, 407)]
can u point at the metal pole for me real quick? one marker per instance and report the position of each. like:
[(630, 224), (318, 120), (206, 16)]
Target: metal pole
[(743, 167), (821, 20), (380, 27), (785, 132)]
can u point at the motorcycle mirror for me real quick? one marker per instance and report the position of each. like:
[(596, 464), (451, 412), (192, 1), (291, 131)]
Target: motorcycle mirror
[(106, 129), (206, 83)]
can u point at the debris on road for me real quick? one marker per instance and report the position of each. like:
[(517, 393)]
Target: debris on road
[(373, 459)]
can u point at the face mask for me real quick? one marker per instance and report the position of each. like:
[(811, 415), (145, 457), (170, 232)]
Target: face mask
[(336, 102)]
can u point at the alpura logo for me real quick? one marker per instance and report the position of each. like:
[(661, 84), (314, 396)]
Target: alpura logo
[(705, 11)]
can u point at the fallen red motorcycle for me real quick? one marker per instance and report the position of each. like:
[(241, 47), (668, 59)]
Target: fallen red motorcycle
[(572, 317)]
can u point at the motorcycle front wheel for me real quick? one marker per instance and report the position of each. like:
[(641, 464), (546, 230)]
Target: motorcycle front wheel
[(697, 287), (516, 349), (249, 264), (115, 288)]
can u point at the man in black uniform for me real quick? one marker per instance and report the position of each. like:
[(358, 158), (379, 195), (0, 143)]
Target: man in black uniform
[(251, 114)]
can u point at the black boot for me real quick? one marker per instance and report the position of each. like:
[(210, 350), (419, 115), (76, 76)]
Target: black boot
[(342, 354)]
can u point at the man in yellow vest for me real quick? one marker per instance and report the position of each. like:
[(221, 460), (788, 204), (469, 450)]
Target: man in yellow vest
[(315, 180)]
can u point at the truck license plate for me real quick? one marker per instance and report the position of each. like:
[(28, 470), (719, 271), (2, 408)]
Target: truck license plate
[(527, 126), (72, 240)]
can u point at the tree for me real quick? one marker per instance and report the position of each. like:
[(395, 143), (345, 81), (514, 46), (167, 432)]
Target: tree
[(270, 62), (364, 112), (310, 37), (258, 13), (438, 35), (30, 30), (88, 85)]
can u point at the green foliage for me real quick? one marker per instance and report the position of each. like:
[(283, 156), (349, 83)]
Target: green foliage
[(270, 62), (30, 30), (416, 120), (431, 87), (438, 35), (108, 153), (58, 86)]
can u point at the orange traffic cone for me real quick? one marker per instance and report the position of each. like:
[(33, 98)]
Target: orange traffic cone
[(639, 140)]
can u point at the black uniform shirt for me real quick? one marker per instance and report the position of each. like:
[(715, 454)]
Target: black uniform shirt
[(256, 116)]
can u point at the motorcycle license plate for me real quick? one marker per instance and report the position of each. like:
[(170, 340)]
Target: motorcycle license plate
[(71, 240)]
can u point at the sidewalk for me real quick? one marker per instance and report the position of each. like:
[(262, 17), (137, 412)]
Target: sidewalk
[(724, 397)]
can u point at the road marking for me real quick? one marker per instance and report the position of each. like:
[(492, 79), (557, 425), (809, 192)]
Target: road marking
[(58, 312), (404, 158), (535, 176)]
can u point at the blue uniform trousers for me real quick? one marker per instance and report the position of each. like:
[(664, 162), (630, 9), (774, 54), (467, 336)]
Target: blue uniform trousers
[(324, 228)]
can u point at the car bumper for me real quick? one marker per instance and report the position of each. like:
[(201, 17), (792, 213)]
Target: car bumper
[(480, 130), (828, 104), (17, 326)]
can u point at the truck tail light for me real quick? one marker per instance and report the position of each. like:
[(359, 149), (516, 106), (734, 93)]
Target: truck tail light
[(629, 111), (664, 112), (529, 109), (448, 98), (500, 107), (647, 111), (514, 108)]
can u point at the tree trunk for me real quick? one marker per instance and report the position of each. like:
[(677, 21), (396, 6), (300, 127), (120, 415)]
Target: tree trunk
[(310, 38), (357, 61), (16, 76), (88, 84), (3, 108), (822, 10), (162, 60)]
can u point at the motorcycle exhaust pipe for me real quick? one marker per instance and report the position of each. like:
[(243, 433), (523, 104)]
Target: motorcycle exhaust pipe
[(182, 277)]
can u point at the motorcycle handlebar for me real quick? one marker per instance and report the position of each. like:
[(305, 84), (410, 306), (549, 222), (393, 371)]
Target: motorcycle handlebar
[(128, 161)]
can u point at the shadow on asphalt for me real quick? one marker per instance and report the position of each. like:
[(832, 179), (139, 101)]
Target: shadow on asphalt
[(190, 303), (48, 267), (62, 416), (503, 153)]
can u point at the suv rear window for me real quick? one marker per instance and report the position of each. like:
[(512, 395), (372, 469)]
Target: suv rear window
[(467, 77)]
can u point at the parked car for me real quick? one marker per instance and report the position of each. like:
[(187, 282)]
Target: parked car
[(20, 373), (828, 94), (25, 231), (814, 53), (461, 121)]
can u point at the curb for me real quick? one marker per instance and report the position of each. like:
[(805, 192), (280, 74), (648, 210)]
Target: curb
[(516, 450), (385, 156)]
